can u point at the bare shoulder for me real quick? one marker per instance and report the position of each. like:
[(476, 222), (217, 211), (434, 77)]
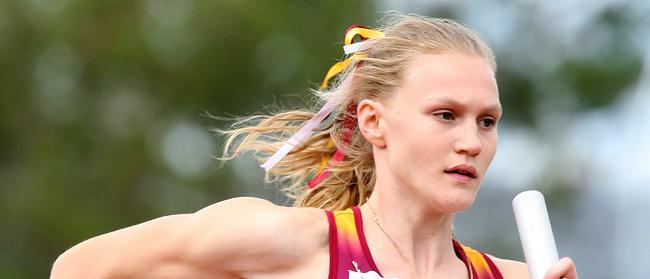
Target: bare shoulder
[(256, 231), (259, 218), (255, 212), (511, 269), (258, 228), (226, 239)]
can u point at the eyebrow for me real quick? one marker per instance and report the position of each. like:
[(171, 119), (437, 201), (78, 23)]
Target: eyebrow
[(496, 108)]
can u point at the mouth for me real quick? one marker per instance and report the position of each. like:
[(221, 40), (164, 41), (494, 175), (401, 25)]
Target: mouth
[(464, 170)]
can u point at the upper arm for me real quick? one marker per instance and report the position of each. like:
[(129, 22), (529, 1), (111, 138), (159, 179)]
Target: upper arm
[(226, 238), (511, 269), (249, 234)]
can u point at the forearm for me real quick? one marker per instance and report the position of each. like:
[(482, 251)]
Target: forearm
[(125, 253), (82, 261)]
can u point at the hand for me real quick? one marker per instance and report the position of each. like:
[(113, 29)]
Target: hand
[(564, 269)]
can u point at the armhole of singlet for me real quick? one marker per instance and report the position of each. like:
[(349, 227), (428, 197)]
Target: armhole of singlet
[(333, 244), (460, 252), (358, 222), (463, 255), (493, 267)]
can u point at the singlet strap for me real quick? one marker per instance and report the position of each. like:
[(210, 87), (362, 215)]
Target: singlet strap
[(481, 265), (333, 241), (348, 248)]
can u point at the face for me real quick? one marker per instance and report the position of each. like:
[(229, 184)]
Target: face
[(436, 135)]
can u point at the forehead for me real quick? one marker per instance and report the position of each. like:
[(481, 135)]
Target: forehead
[(464, 78)]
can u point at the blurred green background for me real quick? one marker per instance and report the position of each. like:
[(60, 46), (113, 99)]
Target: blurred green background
[(103, 114)]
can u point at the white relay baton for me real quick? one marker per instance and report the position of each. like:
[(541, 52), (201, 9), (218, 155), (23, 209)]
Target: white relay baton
[(535, 232)]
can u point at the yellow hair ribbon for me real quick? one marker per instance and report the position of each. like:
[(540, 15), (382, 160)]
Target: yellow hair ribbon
[(326, 158), (339, 67), (363, 32), (350, 34)]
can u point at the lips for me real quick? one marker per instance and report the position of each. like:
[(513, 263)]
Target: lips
[(466, 170)]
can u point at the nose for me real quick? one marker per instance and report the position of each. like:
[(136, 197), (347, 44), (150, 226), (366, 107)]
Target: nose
[(468, 141)]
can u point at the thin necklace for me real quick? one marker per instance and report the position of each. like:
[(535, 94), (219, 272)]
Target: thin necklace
[(381, 228)]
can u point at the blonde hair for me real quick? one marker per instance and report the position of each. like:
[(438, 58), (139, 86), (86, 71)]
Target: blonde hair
[(351, 180)]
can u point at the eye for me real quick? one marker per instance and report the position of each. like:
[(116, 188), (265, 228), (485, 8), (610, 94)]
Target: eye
[(487, 122), (444, 115)]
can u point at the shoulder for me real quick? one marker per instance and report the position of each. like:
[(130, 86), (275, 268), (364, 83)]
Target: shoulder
[(258, 217), (253, 231), (510, 269)]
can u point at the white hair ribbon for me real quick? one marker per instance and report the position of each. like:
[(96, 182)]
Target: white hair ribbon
[(302, 134)]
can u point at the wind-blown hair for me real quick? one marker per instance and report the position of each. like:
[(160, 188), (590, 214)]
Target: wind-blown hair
[(352, 179)]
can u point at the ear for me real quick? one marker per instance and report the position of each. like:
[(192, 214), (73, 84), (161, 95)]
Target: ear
[(369, 115)]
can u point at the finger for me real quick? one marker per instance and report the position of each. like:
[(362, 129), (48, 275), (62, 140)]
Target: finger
[(564, 268)]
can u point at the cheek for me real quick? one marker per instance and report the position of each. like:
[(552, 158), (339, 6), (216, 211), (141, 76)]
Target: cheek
[(413, 137), (407, 144), (426, 150), (490, 148)]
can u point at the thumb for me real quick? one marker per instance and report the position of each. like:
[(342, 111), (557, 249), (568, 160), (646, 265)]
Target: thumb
[(564, 268)]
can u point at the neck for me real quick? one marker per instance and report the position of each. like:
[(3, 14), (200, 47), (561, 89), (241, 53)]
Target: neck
[(421, 235)]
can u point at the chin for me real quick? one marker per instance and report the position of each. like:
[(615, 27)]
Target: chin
[(455, 207), (457, 202)]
